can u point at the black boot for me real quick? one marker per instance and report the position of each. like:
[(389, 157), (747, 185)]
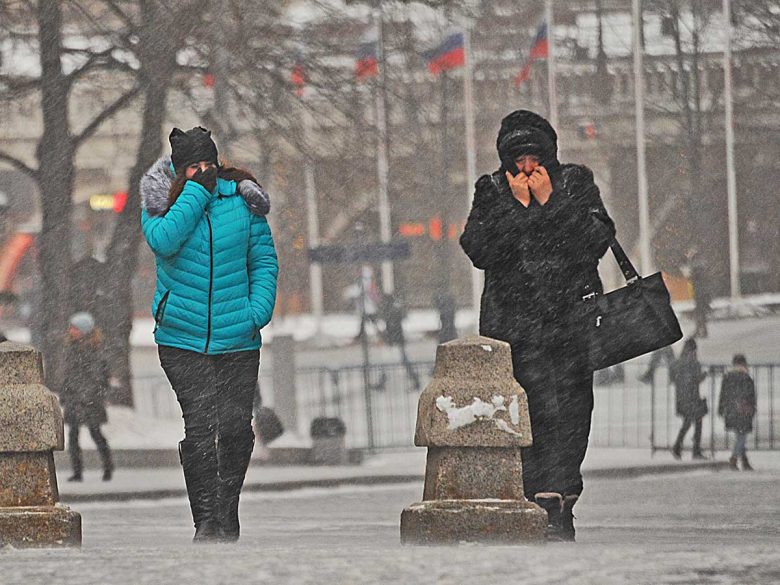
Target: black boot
[(105, 452), (567, 517), (199, 462), (551, 503), (235, 451), (746, 464)]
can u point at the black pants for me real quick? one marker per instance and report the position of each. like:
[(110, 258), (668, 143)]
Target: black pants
[(687, 422), (215, 392), (74, 449), (551, 368)]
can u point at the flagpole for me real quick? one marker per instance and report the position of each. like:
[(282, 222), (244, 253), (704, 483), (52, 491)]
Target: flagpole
[(551, 89), (471, 158), (731, 179), (385, 228), (641, 162)]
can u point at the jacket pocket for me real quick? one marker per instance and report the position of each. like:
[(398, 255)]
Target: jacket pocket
[(251, 319), (160, 313)]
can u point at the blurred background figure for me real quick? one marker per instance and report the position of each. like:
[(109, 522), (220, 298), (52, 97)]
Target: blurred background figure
[(737, 406), (665, 354), (394, 312), (445, 305), (687, 375), (83, 394)]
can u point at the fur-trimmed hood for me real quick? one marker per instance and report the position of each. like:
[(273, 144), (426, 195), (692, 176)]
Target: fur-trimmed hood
[(157, 181)]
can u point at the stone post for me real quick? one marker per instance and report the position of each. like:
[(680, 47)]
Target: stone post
[(285, 393), (31, 423), (473, 417)]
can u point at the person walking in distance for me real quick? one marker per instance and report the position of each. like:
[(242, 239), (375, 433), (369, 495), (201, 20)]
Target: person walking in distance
[(538, 229), (216, 288), (84, 390), (687, 375), (737, 406)]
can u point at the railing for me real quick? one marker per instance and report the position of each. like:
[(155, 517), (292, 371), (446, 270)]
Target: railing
[(627, 412)]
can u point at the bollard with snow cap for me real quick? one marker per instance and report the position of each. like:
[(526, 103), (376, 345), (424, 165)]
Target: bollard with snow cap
[(31, 423), (473, 417)]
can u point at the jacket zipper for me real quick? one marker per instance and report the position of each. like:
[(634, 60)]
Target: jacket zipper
[(160, 310), (211, 278)]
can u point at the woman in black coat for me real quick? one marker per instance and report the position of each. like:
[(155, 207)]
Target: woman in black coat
[(538, 228), (737, 406), (83, 393), (687, 375)]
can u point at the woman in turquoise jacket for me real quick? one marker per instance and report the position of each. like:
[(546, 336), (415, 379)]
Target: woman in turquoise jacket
[(216, 288)]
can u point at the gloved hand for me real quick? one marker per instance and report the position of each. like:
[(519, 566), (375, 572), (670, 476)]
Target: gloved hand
[(207, 178)]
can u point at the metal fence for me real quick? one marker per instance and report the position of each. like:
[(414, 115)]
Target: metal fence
[(627, 412)]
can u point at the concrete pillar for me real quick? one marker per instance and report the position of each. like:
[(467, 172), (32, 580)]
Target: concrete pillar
[(285, 395), (32, 427), (473, 417)]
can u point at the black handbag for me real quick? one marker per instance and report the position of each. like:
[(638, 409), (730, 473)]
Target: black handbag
[(630, 321), (702, 409), (268, 425)]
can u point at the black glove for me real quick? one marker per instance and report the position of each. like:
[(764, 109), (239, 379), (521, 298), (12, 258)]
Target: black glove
[(207, 178)]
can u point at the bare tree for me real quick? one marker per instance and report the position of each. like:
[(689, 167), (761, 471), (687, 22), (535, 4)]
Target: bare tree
[(56, 151)]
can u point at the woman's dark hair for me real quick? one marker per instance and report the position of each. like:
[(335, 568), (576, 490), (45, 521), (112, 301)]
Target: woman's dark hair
[(739, 360), (227, 173)]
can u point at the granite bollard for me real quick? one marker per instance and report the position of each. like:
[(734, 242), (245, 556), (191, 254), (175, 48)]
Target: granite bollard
[(32, 428), (473, 417)]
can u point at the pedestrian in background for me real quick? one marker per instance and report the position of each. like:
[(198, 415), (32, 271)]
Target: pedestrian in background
[(216, 289), (393, 312), (84, 390), (686, 376), (445, 305), (737, 406), (538, 229)]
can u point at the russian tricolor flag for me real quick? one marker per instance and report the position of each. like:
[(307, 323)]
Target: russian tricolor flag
[(539, 49), (450, 54), (366, 61)]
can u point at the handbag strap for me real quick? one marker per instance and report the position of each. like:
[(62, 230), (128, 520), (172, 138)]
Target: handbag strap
[(628, 270)]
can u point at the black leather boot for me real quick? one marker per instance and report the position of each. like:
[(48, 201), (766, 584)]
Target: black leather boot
[(235, 451), (567, 517), (551, 503), (199, 462)]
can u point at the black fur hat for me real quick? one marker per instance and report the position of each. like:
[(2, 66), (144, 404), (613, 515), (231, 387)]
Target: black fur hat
[(524, 132), (192, 146)]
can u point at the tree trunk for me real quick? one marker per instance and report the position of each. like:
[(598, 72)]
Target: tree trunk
[(157, 66), (157, 56), (55, 180)]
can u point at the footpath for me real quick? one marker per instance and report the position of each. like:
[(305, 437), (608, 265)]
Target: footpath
[(386, 468)]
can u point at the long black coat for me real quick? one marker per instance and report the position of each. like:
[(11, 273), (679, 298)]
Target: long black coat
[(538, 260), (737, 404), (687, 375), (86, 382)]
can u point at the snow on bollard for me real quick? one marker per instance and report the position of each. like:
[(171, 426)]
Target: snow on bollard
[(473, 417), (31, 423)]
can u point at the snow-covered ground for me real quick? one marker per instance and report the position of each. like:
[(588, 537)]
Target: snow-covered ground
[(702, 527)]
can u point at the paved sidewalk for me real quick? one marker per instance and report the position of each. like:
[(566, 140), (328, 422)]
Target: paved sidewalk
[(395, 467)]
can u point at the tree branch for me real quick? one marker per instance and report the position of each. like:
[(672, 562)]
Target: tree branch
[(19, 165), (119, 104)]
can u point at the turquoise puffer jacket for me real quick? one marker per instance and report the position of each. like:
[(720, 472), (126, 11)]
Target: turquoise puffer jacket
[(216, 269)]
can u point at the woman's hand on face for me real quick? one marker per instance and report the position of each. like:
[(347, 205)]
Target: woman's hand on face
[(540, 184), (207, 178), (519, 186)]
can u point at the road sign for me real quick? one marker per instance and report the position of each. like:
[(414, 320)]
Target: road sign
[(373, 252)]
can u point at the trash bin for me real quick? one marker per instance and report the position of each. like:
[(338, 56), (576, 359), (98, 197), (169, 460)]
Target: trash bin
[(328, 443)]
